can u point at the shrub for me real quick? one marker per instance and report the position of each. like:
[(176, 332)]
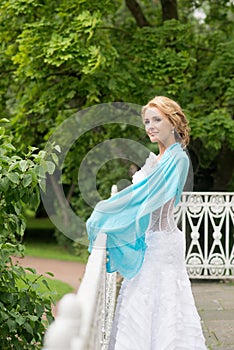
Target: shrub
[(24, 312)]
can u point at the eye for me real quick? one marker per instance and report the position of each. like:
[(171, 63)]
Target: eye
[(146, 121), (157, 119)]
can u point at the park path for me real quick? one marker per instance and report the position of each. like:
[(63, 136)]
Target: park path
[(215, 304)]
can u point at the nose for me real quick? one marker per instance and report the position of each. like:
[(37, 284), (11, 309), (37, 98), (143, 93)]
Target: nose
[(150, 125)]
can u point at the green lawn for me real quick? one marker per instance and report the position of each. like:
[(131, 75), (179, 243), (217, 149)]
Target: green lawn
[(39, 242), (51, 250), (57, 287)]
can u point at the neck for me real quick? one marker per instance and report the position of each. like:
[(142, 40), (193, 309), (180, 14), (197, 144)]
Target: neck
[(164, 146)]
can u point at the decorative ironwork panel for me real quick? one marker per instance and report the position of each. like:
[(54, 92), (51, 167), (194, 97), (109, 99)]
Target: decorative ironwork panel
[(207, 219)]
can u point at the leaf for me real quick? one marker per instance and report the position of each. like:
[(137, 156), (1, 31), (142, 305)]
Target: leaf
[(58, 148), (23, 165), (9, 146), (39, 170), (46, 284), (32, 149), (13, 177), (18, 208), (55, 158), (4, 120), (42, 154), (27, 180), (20, 319), (15, 157), (42, 167), (33, 318), (34, 199), (4, 184), (42, 185), (50, 167), (4, 159), (28, 328), (31, 270), (39, 309), (11, 324), (13, 166), (50, 273)]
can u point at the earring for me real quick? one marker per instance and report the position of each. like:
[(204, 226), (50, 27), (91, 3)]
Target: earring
[(172, 131)]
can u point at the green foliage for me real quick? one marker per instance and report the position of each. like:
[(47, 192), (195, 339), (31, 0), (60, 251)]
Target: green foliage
[(25, 312), (57, 58), (63, 241), (19, 180), (47, 286), (214, 130), (81, 251), (18, 185)]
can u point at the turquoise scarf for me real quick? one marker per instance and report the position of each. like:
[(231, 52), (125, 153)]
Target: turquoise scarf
[(125, 217)]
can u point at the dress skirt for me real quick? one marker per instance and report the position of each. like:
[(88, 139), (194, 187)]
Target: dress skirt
[(155, 309)]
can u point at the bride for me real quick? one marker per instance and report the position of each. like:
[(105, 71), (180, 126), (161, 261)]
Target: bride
[(155, 308)]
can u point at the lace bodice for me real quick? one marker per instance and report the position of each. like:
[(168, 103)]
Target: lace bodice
[(162, 219)]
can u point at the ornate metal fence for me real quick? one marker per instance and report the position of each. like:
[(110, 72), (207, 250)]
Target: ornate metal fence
[(207, 219), (84, 319)]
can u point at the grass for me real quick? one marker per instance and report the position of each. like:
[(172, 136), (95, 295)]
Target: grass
[(49, 251), (57, 287), (40, 242), (42, 223)]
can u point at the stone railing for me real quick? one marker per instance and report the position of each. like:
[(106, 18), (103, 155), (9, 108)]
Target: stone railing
[(84, 319)]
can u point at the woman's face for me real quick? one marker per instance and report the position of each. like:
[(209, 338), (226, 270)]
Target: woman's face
[(158, 127)]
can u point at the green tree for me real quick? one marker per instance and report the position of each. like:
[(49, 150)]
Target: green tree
[(60, 57)]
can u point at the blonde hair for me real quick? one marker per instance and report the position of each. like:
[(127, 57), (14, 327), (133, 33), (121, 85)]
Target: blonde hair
[(174, 114)]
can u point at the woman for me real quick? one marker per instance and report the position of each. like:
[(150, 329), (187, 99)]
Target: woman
[(155, 308)]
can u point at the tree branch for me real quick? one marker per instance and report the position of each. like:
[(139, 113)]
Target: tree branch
[(137, 13)]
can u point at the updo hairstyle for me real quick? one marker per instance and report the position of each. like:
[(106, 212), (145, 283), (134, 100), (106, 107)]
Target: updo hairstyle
[(173, 112)]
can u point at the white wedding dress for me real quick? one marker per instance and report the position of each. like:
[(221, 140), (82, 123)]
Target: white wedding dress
[(156, 309)]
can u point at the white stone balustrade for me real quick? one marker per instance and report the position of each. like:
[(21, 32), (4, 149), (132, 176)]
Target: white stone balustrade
[(84, 319)]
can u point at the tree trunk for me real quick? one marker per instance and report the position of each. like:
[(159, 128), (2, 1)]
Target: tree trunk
[(137, 13), (169, 9)]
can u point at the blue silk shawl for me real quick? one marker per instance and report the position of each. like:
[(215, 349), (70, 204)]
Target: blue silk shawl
[(125, 217)]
